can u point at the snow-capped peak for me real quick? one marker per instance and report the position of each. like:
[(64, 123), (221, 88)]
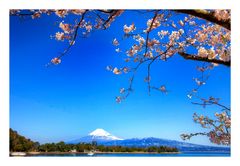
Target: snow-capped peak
[(99, 132), (103, 133)]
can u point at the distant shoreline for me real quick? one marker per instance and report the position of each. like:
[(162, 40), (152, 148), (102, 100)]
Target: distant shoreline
[(72, 153), (36, 153)]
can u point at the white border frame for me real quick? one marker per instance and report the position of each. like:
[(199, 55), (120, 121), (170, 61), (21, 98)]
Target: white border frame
[(118, 4)]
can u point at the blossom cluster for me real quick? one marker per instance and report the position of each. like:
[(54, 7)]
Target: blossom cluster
[(56, 61), (118, 71), (222, 14), (153, 23), (128, 29), (219, 128)]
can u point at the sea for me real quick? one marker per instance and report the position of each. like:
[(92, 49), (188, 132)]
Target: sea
[(182, 154)]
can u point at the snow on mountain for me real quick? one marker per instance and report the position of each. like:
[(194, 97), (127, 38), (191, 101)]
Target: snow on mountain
[(98, 135), (99, 132)]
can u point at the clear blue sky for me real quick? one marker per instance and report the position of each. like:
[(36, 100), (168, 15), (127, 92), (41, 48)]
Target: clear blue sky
[(70, 100)]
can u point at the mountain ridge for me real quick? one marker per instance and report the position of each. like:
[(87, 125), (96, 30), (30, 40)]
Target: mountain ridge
[(104, 138)]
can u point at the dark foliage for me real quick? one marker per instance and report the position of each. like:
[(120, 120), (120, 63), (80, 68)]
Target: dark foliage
[(19, 143)]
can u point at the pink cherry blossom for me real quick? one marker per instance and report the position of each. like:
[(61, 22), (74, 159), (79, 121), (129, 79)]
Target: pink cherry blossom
[(78, 11), (116, 71), (36, 15), (128, 29), (88, 27), (56, 61), (59, 36), (65, 27), (115, 42), (61, 13)]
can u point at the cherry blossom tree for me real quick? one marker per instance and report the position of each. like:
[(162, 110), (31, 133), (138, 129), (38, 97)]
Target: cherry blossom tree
[(219, 128), (198, 35)]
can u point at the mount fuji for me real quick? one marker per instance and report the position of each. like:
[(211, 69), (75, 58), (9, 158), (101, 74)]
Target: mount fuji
[(102, 137), (98, 135)]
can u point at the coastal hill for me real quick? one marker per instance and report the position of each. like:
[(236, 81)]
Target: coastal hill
[(20, 143)]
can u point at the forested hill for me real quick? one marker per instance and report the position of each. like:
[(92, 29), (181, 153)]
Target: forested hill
[(19, 143)]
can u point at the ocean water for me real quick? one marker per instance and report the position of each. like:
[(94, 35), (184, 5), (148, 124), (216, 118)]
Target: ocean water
[(183, 154)]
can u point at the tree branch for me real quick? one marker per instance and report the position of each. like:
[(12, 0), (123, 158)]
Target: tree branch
[(149, 67), (150, 28), (204, 59), (212, 103), (188, 136), (110, 18), (74, 36), (106, 11), (207, 15)]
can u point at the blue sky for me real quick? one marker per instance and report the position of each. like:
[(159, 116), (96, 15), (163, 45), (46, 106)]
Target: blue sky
[(70, 100)]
